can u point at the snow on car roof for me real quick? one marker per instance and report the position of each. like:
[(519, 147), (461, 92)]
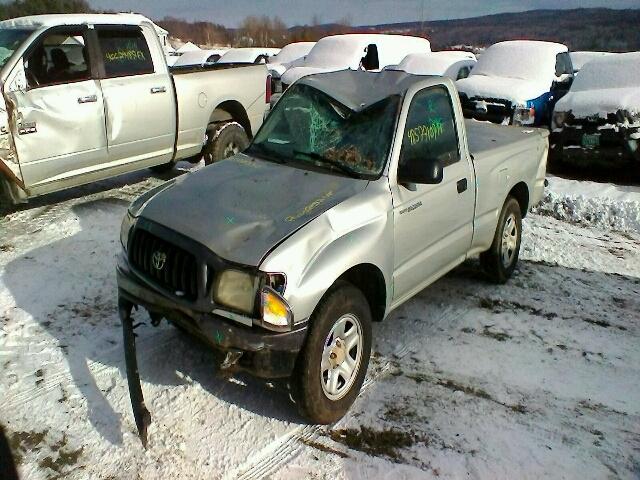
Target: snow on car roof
[(292, 52), (435, 63), (612, 71), (358, 89), (578, 59), (341, 50), (523, 59), (247, 55), (52, 20)]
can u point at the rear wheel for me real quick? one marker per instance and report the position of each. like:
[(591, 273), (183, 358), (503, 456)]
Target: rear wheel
[(223, 141), (501, 259), (333, 363)]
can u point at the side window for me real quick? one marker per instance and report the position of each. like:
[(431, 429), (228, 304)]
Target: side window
[(371, 61), (463, 73), (563, 64), (125, 52), (59, 57), (430, 132)]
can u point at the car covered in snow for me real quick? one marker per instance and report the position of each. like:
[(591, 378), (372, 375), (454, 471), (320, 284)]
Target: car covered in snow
[(359, 190), (356, 51), (248, 55), (87, 97), (517, 82), (598, 121), (452, 64)]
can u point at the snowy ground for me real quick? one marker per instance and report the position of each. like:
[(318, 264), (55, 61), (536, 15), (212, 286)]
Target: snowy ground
[(537, 378)]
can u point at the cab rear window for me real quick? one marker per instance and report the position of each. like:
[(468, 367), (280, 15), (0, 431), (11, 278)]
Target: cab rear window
[(124, 52)]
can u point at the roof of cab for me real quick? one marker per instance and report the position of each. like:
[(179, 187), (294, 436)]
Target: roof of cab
[(53, 20), (360, 89)]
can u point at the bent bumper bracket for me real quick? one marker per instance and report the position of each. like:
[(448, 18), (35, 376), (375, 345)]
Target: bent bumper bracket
[(140, 412)]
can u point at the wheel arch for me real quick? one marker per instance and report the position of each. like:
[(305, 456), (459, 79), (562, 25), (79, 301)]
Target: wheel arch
[(520, 192), (369, 279), (231, 110)]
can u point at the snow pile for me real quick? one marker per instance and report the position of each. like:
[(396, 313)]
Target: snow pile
[(589, 203), (518, 71), (605, 85), (292, 52)]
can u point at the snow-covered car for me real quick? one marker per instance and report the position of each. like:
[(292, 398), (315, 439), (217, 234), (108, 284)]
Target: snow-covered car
[(355, 51), (450, 64), (517, 82), (578, 59), (88, 97), (279, 63), (200, 58), (360, 190), (598, 121), (248, 55)]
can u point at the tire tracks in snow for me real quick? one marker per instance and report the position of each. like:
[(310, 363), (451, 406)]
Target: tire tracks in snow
[(145, 347), (285, 448)]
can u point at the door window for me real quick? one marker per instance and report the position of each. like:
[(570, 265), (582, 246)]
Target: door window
[(58, 58), (124, 52), (430, 131)]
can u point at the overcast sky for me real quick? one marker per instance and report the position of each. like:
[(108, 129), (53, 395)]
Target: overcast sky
[(359, 12)]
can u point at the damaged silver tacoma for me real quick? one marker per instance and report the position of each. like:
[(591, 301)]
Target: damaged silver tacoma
[(359, 190)]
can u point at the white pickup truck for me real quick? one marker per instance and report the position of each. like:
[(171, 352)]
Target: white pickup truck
[(85, 97), (359, 190)]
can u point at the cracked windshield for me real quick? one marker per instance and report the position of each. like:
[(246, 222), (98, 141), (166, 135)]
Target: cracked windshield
[(309, 127)]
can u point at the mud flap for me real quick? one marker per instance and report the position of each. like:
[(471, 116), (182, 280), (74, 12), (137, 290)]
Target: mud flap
[(140, 412)]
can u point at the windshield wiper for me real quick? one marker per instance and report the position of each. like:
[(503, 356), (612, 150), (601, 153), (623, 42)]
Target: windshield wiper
[(264, 153), (330, 161)]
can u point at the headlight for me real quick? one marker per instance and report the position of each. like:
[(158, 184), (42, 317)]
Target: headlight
[(235, 289), (125, 228), (275, 310), (524, 116), (559, 119)]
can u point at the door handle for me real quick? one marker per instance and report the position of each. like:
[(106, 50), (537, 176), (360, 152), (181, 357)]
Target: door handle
[(158, 89), (462, 185), (88, 99)]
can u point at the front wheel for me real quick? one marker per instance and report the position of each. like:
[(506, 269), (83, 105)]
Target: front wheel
[(333, 363), (501, 259), (223, 141)]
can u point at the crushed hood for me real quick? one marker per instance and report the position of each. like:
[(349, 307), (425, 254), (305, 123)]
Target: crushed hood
[(515, 90), (242, 207), (600, 102)]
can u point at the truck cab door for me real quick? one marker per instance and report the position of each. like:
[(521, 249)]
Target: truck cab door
[(57, 112), (139, 96), (433, 223)]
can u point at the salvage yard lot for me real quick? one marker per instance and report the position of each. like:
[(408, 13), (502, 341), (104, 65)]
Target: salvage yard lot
[(536, 378)]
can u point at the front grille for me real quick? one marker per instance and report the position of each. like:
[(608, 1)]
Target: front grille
[(165, 264)]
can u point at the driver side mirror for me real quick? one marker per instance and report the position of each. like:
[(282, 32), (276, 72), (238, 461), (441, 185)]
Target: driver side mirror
[(420, 172)]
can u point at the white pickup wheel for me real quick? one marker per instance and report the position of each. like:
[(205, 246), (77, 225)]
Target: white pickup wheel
[(501, 259), (333, 362), (223, 141)]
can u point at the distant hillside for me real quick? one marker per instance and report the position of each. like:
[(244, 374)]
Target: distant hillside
[(580, 29)]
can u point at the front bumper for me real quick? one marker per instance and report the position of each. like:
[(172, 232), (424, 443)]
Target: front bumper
[(265, 354), (613, 148)]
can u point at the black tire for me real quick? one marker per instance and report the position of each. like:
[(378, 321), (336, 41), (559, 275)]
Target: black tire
[(164, 168), (496, 262), (341, 301), (224, 140)]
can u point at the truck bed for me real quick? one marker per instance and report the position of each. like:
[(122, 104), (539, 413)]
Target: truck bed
[(483, 137)]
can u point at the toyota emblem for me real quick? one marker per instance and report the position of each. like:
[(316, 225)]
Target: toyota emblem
[(158, 260)]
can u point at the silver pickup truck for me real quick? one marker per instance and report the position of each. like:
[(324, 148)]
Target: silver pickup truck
[(359, 190), (85, 97)]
